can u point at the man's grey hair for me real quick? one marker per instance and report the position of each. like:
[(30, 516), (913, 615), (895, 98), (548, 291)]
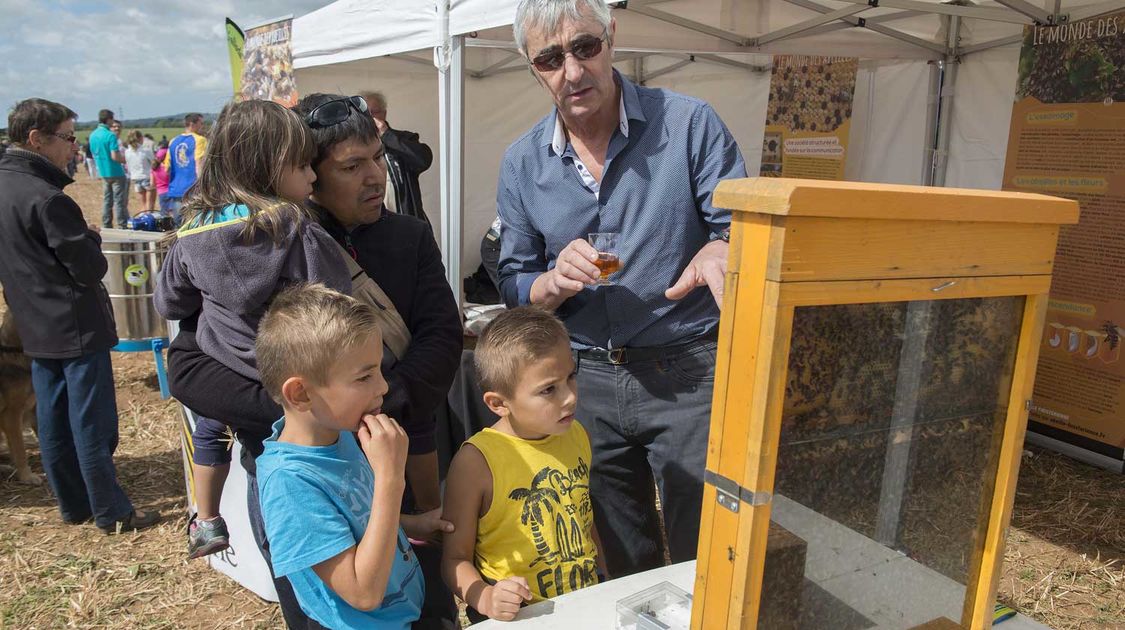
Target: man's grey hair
[(547, 15), (377, 97)]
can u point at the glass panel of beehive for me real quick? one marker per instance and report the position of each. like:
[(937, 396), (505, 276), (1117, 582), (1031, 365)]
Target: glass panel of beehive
[(887, 455)]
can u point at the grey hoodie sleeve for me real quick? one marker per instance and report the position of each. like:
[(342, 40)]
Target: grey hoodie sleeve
[(176, 295), (323, 260)]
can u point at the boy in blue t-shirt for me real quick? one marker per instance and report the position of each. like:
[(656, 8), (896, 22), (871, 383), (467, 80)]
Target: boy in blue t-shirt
[(330, 503)]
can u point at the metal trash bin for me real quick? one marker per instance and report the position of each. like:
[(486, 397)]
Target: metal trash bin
[(134, 259)]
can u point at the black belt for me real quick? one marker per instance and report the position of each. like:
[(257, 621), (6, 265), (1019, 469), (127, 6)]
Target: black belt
[(621, 356)]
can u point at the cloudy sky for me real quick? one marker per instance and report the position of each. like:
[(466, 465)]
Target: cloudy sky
[(138, 59)]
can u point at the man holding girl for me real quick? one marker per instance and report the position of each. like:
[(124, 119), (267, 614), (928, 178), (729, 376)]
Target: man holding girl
[(394, 261)]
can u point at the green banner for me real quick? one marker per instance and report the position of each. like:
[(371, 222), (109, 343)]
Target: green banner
[(235, 41)]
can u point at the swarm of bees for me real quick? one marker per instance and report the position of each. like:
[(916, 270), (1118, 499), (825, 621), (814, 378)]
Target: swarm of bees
[(842, 387)]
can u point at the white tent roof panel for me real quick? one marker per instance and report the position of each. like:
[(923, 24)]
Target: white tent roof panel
[(347, 30)]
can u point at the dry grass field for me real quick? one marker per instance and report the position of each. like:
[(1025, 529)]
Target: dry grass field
[(1065, 561)]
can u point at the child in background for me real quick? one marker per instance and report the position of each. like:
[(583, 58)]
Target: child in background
[(138, 163), (160, 181), (518, 493), (246, 235), (330, 504)]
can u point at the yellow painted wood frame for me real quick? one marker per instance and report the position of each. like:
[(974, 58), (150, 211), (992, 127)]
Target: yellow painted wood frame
[(801, 243), (729, 578), (988, 556), (744, 290)]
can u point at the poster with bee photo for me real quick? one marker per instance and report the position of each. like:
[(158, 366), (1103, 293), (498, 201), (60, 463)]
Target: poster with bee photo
[(809, 117), (1067, 138), (267, 64)]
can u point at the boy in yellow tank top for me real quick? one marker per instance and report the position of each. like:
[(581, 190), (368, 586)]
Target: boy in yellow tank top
[(518, 492)]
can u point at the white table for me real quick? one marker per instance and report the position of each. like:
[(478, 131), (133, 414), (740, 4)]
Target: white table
[(595, 606), (882, 587)]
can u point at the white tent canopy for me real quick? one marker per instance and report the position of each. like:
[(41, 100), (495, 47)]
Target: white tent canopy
[(481, 96)]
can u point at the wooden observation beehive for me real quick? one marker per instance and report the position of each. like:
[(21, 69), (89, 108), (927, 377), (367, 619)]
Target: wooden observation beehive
[(876, 356)]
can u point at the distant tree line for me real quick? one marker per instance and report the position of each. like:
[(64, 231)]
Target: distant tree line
[(175, 121)]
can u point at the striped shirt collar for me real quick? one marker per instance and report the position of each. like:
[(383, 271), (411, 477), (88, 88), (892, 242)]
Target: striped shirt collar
[(628, 107)]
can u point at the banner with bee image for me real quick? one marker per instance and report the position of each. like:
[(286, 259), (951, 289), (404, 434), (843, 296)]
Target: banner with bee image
[(809, 117), (267, 64), (1067, 138)]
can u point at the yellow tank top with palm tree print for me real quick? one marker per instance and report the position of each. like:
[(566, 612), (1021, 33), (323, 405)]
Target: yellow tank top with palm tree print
[(540, 523)]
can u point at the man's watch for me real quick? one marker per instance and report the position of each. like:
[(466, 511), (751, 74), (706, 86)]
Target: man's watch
[(724, 236)]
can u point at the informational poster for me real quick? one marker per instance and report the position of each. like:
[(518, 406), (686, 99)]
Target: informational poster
[(267, 66), (1067, 138), (236, 41), (809, 117)]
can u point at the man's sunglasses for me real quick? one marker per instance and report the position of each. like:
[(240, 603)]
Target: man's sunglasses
[(65, 136), (582, 47), (335, 112)]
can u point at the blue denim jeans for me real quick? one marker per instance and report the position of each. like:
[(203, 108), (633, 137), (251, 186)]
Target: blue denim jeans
[(77, 414), (648, 421), (172, 207), (115, 196), (211, 442)]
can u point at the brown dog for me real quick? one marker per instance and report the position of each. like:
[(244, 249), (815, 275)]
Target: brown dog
[(17, 399)]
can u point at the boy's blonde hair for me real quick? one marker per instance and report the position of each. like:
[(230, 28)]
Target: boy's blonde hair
[(510, 342), (304, 332)]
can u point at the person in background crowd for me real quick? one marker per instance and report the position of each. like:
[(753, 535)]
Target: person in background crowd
[(184, 162), (109, 158), (407, 158), (613, 156), (91, 170), (51, 267), (138, 160), (149, 143), (160, 180)]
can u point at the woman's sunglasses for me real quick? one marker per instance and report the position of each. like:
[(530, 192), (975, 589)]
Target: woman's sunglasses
[(582, 47), (335, 112)]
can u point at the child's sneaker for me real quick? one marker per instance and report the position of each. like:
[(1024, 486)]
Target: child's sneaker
[(207, 537)]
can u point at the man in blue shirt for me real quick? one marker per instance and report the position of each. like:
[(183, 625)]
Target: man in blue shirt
[(184, 162), (108, 157), (616, 157)]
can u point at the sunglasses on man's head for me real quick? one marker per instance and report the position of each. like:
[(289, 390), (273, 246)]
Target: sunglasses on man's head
[(335, 112), (583, 47)]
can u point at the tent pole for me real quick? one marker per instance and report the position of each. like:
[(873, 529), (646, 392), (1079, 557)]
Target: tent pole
[(639, 71), (945, 112), (932, 100), (451, 104)]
